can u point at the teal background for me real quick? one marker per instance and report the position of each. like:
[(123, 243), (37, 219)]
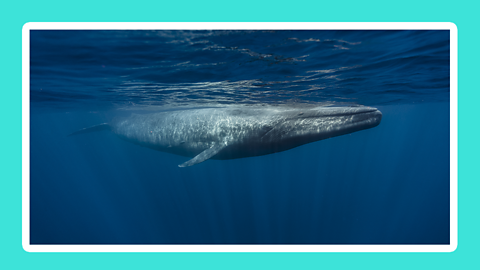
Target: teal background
[(14, 14)]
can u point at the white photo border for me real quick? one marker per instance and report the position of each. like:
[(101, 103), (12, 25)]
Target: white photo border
[(239, 26)]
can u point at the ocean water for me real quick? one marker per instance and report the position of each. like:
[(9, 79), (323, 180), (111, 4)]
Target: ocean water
[(385, 185)]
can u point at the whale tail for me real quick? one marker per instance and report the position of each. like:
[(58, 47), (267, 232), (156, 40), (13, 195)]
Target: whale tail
[(104, 126)]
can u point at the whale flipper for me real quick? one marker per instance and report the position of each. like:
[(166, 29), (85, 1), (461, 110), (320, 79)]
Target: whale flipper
[(210, 152)]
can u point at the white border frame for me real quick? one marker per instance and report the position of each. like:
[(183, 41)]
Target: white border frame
[(238, 26)]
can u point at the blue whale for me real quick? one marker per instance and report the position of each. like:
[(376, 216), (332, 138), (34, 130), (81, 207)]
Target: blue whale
[(238, 132)]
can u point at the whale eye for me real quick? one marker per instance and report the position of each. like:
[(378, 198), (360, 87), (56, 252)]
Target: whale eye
[(300, 113)]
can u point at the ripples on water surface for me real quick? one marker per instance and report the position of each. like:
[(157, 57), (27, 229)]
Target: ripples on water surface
[(108, 69)]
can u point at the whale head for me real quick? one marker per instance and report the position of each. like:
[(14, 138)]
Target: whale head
[(301, 126)]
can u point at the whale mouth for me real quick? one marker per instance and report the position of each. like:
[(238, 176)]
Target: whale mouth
[(372, 117), (337, 112), (366, 111)]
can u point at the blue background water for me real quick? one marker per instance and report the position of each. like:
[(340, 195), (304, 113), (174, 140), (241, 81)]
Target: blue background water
[(389, 184)]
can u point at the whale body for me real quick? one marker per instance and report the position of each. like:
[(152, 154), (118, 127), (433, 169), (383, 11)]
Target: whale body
[(238, 132)]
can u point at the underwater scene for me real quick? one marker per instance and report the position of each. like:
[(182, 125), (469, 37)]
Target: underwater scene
[(240, 137)]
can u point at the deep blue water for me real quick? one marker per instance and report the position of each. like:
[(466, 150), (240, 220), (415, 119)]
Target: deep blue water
[(386, 185)]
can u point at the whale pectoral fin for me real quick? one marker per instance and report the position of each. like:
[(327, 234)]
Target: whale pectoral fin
[(210, 152)]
